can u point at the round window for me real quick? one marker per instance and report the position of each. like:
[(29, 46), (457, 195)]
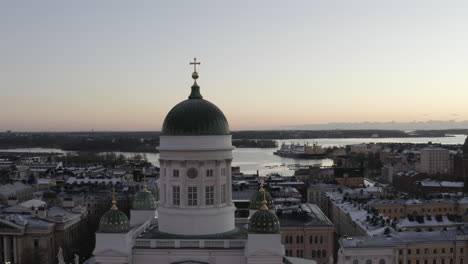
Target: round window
[(192, 173)]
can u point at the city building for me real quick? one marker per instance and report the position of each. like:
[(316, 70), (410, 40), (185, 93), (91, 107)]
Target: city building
[(31, 232), (411, 247), (435, 160), (306, 232)]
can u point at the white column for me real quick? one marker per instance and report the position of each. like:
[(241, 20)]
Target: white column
[(217, 186), (228, 182)]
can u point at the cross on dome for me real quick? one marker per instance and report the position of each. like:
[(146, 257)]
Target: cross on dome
[(195, 63)]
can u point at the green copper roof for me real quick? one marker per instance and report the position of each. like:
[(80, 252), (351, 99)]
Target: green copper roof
[(114, 221), (144, 200), (257, 199), (194, 117), (264, 221)]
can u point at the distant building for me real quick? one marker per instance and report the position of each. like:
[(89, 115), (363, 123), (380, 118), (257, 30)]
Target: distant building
[(17, 192), (398, 208), (435, 160), (32, 233), (306, 232), (349, 176), (439, 247)]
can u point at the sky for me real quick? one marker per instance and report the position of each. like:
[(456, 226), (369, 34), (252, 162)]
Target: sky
[(114, 65)]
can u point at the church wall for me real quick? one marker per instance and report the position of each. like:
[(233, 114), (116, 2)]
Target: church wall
[(151, 256)]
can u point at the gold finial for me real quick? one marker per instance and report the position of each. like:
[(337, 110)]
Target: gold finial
[(114, 202), (145, 187), (264, 203), (261, 184), (195, 73)]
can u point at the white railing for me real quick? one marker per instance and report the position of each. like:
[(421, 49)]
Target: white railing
[(190, 243)]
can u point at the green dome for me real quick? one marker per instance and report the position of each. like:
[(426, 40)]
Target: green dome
[(114, 221), (144, 200), (195, 116), (264, 221), (257, 199)]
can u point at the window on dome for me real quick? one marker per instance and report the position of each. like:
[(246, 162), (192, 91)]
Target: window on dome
[(223, 193), (209, 173), (176, 195), (209, 195), (175, 173), (192, 195)]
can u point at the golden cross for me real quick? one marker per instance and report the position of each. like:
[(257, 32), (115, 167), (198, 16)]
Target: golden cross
[(195, 63)]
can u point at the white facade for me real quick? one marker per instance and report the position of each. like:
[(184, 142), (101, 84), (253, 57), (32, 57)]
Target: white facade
[(195, 185)]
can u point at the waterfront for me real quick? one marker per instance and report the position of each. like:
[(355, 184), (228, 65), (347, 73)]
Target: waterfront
[(262, 159)]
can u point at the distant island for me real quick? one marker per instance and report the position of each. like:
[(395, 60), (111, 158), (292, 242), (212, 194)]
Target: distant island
[(149, 141), (249, 143)]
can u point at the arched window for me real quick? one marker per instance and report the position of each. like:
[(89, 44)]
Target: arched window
[(324, 253), (382, 261), (355, 261), (310, 239), (316, 239), (319, 254), (321, 239), (313, 253), (368, 261)]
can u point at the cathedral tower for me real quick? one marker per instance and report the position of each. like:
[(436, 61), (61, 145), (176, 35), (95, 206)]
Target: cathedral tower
[(195, 176)]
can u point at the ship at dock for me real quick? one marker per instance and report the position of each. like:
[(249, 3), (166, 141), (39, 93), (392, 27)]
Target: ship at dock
[(297, 151)]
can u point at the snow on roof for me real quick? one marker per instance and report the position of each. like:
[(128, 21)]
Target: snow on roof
[(44, 181), (406, 223), (452, 184), (72, 180), (432, 183), (396, 238), (33, 203), (10, 189)]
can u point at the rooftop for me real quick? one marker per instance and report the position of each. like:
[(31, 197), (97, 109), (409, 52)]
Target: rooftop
[(395, 238)]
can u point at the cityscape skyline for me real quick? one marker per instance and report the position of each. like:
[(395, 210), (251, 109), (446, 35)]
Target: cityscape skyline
[(119, 67)]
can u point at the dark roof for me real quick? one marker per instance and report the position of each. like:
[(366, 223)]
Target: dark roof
[(195, 116)]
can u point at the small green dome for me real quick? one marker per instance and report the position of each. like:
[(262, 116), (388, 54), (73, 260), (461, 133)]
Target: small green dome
[(114, 221), (257, 199), (194, 117), (264, 221), (144, 200)]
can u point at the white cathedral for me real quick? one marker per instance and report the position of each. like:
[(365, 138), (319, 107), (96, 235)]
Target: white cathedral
[(194, 220)]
